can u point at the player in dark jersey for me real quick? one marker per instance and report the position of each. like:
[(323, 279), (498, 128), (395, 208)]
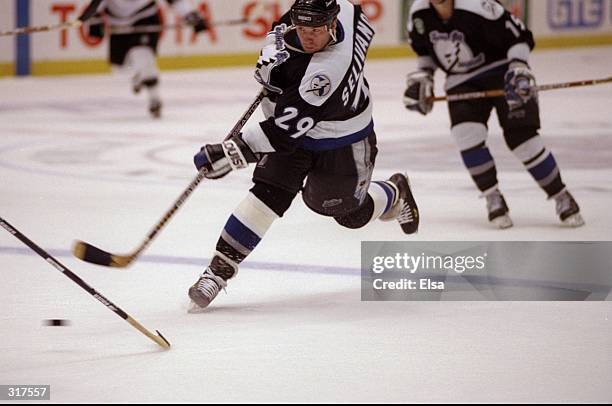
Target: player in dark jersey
[(480, 46), (318, 138), (137, 51)]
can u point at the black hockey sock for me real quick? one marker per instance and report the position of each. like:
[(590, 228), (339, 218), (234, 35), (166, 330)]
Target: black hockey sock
[(481, 166), (242, 232)]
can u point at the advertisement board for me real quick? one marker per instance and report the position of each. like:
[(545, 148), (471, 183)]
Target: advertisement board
[(554, 18), (553, 22), (222, 39)]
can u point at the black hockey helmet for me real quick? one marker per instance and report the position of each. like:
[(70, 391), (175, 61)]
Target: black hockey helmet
[(314, 13)]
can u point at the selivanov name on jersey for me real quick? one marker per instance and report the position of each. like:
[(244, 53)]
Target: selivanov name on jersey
[(363, 38)]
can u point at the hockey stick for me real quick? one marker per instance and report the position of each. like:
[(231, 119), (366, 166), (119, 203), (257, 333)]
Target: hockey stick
[(159, 338), (500, 92), (43, 28), (142, 29), (87, 13), (146, 29), (94, 255)]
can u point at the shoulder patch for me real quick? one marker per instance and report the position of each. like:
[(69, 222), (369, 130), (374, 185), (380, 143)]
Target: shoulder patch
[(327, 69), (489, 9), (320, 85)]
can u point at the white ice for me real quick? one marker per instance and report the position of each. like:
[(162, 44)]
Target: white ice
[(80, 158)]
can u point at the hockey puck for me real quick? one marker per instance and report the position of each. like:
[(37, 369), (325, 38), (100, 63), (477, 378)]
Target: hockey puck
[(56, 322)]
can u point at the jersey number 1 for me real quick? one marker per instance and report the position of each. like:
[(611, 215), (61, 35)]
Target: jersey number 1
[(512, 27)]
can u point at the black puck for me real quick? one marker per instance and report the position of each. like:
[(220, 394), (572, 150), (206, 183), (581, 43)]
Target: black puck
[(56, 322)]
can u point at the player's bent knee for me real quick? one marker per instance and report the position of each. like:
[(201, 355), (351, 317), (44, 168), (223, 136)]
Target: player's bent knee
[(277, 199), (359, 217), (521, 136)]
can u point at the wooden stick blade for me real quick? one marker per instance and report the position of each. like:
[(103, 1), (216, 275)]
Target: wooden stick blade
[(165, 343), (94, 255), (159, 338)]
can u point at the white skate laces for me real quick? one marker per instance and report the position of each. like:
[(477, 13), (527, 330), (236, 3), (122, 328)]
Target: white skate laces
[(206, 289), (405, 208), (405, 215), (210, 284)]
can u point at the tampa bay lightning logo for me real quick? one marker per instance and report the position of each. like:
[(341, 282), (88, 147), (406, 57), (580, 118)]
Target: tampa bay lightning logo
[(454, 53), (320, 85)]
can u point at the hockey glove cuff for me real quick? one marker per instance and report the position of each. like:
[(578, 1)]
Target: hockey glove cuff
[(220, 159)]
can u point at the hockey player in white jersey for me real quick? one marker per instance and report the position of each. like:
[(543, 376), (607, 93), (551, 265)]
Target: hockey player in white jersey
[(480, 46), (318, 138), (137, 51)]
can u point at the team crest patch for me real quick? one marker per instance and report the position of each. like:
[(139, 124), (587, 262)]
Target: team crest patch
[(320, 85), (419, 25), (490, 7)]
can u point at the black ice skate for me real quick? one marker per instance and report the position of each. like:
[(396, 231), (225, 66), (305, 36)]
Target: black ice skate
[(568, 210), (498, 209), (155, 106), (405, 210), (205, 290), (136, 84)]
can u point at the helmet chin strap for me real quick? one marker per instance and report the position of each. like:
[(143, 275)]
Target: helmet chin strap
[(332, 33)]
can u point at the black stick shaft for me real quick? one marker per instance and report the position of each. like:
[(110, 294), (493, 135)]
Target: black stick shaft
[(62, 268), (89, 253), (196, 181), (90, 11)]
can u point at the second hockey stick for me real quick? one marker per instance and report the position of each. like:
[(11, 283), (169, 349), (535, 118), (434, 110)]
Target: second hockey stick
[(87, 13), (94, 255), (500, 92), (42, 28), (159, 338), (148, 29)]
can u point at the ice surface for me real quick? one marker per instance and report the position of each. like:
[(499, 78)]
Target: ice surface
[(80, 158)]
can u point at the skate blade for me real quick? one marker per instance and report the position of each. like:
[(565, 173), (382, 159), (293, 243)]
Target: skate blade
[(502, 222), (194, 308), (390, 216), (575, 220)]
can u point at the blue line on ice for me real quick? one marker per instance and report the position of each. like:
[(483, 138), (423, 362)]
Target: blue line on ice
[(197, 261), (485, 280)]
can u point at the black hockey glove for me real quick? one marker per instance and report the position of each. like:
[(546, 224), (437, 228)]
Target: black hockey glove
[(520, 85), (220, 159), (195, 20), (95, 27), (419, 91), (272, 54)]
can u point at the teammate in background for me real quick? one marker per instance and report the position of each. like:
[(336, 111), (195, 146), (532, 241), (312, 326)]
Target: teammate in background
[(137, 51), (319, 129), (480, 46)]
